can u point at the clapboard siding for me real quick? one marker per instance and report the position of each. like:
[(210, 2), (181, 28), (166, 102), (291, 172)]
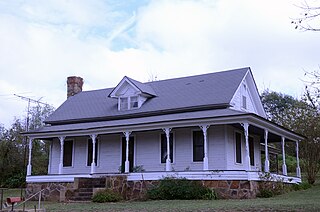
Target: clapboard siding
[(221, 151)]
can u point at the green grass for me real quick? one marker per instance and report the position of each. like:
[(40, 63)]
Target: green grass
[(307, 200)]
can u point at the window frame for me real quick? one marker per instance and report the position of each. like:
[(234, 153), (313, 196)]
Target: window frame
[(193, 146), (235, 148), (72, 153)]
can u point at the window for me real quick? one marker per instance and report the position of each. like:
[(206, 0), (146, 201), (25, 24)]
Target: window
[(198, 146), (244, 102), (67, 153), (90, 148), (124, 103), (238, 148), (251, 151), (133, 102), (164, 148)]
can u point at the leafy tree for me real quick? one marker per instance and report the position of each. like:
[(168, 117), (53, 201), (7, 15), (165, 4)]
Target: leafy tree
[(301, 116), (13, 148)]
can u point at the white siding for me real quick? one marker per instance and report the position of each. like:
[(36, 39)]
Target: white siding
[(221, 152)]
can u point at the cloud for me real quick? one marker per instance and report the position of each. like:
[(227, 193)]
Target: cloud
[(44, 42)]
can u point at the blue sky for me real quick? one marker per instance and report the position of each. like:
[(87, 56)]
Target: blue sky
[(44, 42)]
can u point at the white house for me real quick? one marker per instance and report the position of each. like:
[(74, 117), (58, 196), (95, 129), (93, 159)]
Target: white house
[(208, 127)]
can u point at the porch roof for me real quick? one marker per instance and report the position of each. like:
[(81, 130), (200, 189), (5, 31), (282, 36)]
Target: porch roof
[(184, 119)]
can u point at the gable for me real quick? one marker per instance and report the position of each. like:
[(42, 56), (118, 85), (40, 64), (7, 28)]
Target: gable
[(247, 98)]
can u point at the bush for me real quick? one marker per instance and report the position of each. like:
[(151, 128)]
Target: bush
[(106, 195), (301, 186), (15, 181), (181, 188), (265, 193)]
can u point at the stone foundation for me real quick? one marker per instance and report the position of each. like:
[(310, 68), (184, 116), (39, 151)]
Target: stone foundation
[(84, 188), (51, 192)]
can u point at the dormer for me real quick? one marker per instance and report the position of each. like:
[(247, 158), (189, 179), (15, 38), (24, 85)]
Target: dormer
[(131, 94)]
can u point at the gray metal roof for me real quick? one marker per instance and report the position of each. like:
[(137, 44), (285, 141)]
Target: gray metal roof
[(192, 93), (197, 115)]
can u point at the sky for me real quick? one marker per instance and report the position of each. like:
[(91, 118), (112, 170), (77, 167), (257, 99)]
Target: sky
[(44, 42)]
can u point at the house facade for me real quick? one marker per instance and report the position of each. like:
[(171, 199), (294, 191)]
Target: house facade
[(210, 128)]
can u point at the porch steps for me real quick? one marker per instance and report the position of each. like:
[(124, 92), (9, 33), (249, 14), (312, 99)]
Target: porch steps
[(84, 192)]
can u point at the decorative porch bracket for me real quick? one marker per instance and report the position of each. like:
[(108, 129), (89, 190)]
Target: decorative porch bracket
[(267, 162), (126, 163), (245, 126), (29, 166), (93, 164), (298, 163), (168, 160), (205, 145), (61, 154), (284, 166)]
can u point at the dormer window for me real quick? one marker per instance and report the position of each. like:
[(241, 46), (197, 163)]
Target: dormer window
[(131, 94), (128, 103), (123, 103), (133, 102)]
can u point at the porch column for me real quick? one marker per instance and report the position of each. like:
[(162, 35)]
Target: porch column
[(205, 145), (298, 163), (284, 166), (29, 166), (246, 136), (93, 164), (266, 163), (126, 163), (61, 154), (168, 160)]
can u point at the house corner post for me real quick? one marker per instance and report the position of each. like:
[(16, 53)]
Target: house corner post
[(168, 160), (61, 154), (266, 162), (127, 163), (246, 136), (93, 163), (205, 145), (284, 165), (29, 166), (298, 163)]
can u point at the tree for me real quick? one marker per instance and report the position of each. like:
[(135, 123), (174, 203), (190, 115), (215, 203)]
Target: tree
[(13, 148), (302, 117), (309, 17)]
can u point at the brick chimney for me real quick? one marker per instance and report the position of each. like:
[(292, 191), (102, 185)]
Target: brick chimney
[(74, 85)]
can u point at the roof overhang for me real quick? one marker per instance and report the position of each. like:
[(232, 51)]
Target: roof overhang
[(178, 120)]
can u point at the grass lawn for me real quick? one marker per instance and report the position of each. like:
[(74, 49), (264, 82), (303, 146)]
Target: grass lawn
[(307, 200)]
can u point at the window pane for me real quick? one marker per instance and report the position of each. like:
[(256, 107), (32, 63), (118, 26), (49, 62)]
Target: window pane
[(90, 146), (134, 102), (238, 148), (164, 148), (67, 153), (124, 103), (251, 151), (198, 146)]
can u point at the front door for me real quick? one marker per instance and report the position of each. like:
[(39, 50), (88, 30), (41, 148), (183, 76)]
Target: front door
[(131, 153)]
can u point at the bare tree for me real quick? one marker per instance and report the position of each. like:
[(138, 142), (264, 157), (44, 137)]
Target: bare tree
[(309, 19)]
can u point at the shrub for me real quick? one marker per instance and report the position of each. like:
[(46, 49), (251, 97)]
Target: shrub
[(265, 193), (301, 186), (15, 181), (106, 195), (180, 188)]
